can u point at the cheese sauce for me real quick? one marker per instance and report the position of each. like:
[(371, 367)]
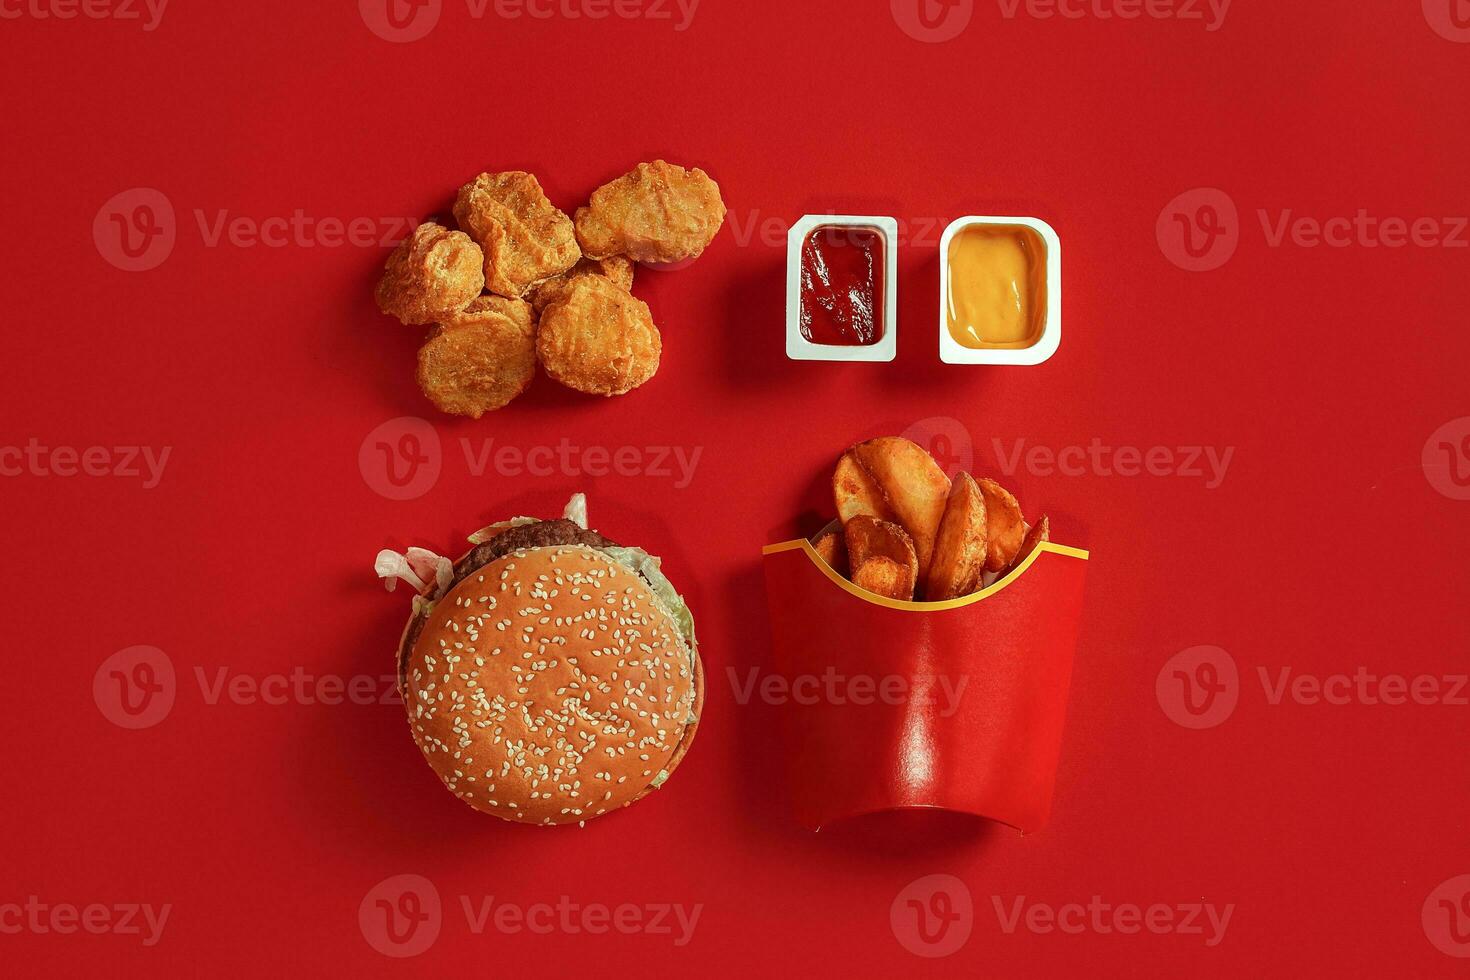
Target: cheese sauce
[(997, 287)]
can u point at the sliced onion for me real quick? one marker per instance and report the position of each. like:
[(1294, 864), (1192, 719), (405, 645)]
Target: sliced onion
[(391, 566), (419, 567)]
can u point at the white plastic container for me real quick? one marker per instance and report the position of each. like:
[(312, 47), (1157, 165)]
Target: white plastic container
[(952, 351), (798, 348)]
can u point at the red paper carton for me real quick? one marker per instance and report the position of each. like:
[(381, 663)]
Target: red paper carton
[(956, 705)]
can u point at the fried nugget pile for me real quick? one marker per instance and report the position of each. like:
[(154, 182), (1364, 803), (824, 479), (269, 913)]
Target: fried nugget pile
[(520, 283), (906, 531)]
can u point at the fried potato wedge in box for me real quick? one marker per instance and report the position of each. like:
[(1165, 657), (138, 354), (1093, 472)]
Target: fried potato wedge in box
[(856, 493), (831, 545), (598, 338), (434, 273), (871, 541), (960, 548), (477, 365), (885, 577), (658, 213), (526, 239), (618, 268), (1035, 537), (1005, 525), (913, 485)]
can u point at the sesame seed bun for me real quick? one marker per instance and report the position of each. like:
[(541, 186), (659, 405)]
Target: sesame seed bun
[(552, 686)]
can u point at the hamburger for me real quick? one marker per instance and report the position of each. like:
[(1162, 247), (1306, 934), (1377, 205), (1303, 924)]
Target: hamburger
[(551, 675)]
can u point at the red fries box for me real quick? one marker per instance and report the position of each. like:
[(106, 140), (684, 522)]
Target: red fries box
[(955, 705)]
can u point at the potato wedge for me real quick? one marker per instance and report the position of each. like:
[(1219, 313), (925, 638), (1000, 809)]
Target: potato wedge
[(832, 546), (872, 541), (1035, 537), (885, 577), (1005, 525), (857, 495), (868, 537), (913, 485), (960, 549)]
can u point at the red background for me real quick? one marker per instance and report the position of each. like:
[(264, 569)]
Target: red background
[(1325, 549)]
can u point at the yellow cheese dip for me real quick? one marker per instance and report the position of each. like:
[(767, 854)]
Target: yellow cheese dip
[(997, 287)]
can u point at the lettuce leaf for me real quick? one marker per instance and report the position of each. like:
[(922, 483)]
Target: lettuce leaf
[(650, 568), (576, 510)]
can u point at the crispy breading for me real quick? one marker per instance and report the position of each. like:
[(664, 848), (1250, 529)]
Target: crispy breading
[(596, 337), (478, 364), (618, 268), (517, 310), (658, 213), (434, 273), (525, 238)]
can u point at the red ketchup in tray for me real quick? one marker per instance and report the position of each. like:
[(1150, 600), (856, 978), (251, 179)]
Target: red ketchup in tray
[(842, 286)]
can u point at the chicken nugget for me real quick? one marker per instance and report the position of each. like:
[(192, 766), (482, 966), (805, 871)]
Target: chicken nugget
[(478, 364), (435, 272), (659, 213), (517, 310), (618, 268), (596, 337), (524, 237)]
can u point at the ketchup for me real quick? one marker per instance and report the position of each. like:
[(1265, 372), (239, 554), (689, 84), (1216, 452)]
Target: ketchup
[(842, 286)]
